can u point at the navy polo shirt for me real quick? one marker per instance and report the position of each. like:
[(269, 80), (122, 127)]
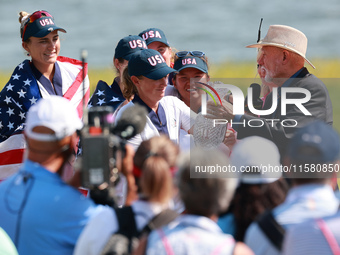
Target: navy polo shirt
[(57, 87), (158, 120)]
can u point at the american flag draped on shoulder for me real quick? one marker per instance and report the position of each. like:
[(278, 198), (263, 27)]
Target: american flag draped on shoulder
[(18, 95), (105, 95)]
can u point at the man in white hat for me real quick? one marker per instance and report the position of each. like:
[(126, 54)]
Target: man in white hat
[(282, 58), (39, 211)]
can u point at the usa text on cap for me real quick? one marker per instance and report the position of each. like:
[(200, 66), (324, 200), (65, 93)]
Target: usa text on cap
[(129, 45), (191, 62), (38, 24), (148, 63), (151, 35)]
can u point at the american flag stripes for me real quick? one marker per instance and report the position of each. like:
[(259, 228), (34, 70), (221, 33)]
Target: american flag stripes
[(19, 94)]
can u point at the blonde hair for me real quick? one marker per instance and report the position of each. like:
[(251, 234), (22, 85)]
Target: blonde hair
[(23, 16), (130, 88), (160, 145), (156, 180)]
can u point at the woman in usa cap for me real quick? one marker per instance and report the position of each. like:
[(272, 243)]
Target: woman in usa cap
[(45, 73), (146, 76)]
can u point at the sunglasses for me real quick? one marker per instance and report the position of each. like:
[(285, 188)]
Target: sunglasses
[(33, 17), (195, 53)]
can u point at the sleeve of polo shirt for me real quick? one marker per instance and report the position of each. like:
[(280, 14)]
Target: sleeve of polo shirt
[(187, 117), (97, 232)]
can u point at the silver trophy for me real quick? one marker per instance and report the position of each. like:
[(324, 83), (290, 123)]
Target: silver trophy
[(206, 134)]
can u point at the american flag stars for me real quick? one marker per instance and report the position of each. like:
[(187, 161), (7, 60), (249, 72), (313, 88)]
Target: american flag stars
[(10, 125), (21, 66), (22, 115), (16, 77), (10, 111), (115, 99), (7, 100), (100, 93), (15, 99), (21, 93), (101, 101), (27, 82), (9, 87), (33, 100)]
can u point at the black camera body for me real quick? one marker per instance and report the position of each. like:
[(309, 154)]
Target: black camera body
[(103, 141), (99, 148)]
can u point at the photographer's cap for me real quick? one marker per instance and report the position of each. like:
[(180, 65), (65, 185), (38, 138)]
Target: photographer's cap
[(316, 142), (151, 35), (257, 160), (148, 63), (55, 113), (38, 24), (129, 45), (191, 62)]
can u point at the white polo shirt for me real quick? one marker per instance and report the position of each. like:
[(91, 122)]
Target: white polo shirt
[(178, 117)]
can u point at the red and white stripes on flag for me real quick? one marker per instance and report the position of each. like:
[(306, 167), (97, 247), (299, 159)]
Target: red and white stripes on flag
[(11, 155), (21, 92)]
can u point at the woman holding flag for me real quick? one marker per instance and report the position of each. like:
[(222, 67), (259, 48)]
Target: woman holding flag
[(45, 74)]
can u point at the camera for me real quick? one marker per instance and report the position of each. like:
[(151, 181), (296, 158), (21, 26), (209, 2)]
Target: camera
[(103, 140)]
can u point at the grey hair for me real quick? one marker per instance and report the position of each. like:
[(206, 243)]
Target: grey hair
[(209, 194)]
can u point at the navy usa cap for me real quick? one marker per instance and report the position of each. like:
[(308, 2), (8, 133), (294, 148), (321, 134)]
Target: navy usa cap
[(39, 24), (151, 35), (191, 62), (129, 45), (148, 63)]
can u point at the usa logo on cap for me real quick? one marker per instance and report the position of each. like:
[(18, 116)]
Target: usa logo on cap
[(189, 61), (154, 60), (137, 43), (151, 34)]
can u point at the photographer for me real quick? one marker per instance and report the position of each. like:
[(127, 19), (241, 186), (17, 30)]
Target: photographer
[(39, 211), (156, 188)]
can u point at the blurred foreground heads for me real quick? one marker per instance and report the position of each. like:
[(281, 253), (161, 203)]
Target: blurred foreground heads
[(39, 211), (196, 231), (261, 186), (312, 157), (315, 150)]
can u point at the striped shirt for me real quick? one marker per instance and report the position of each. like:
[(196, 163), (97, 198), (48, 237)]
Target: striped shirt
[(303, 203), (190, 234), (309, 238)]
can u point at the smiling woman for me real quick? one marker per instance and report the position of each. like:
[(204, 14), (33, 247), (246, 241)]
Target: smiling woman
[(192, 68), (45, 74), (146, 76)]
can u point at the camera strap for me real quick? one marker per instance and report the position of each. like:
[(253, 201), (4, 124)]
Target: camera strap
[(272, 229)]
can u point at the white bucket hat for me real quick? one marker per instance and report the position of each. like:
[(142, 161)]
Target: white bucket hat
[(56, 113), (259, 154), (287, 38)]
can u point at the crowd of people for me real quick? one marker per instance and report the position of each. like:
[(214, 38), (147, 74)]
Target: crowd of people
[(277, 196)]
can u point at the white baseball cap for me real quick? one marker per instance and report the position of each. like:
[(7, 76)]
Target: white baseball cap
[(56, 113), (257, 160)]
